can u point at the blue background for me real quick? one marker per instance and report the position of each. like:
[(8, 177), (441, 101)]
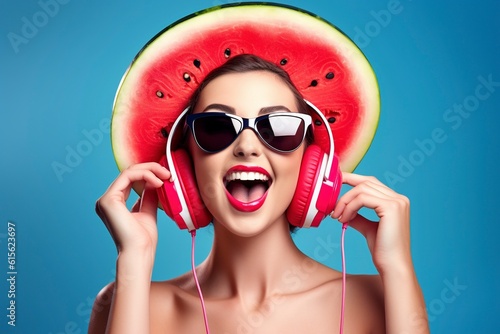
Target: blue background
[(60, 83)]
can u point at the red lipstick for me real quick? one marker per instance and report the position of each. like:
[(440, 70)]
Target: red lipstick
[(242, 173)]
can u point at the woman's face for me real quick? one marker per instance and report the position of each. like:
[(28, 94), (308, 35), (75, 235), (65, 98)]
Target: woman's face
[(246, 208)]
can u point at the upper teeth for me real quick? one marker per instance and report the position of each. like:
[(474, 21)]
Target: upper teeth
[(246, 176)]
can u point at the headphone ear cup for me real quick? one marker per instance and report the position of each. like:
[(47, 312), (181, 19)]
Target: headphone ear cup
[(199, 213), (316, 193), (309, 170), (171, 198)]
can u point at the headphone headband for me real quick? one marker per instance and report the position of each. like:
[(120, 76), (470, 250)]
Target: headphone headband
[(330, 136), (174, 178), (168, 148)]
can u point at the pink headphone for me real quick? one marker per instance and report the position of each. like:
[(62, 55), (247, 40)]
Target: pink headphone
[(317, 189)]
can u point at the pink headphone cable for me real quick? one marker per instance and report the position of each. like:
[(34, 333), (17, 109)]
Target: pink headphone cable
[(193, 267), (342, 309)]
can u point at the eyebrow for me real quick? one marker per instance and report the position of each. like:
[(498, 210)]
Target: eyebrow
[(231, 110), (220, 107)]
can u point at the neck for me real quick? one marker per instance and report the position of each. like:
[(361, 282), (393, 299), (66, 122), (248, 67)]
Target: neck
[(252, 268)]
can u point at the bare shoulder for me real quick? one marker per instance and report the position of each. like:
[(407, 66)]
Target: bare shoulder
[(319, 290), (169, 294), (164, 297), (364, 300)]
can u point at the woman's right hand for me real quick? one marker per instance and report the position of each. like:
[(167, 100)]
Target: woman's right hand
[(133, 230)]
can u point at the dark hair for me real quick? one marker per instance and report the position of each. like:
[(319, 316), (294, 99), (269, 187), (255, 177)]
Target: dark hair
[(249, 63)]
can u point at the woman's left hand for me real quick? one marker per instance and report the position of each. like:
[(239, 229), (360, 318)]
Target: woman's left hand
[(389, 238)]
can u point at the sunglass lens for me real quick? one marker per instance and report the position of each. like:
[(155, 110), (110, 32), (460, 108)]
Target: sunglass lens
[(214, 134), (284, 133)]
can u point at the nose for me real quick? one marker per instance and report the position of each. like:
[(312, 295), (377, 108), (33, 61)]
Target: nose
[(247, 144)]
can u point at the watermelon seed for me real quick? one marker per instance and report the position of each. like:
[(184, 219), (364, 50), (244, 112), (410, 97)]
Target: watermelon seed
[(164, 132), (159, 94), (187, 77), (330, 75), (314, 83), (332, 120), (197, 63), (317, 122), (283, 61), (227, 52)]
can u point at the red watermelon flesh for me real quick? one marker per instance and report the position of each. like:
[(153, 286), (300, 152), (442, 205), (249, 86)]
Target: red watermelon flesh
[(325, 65)]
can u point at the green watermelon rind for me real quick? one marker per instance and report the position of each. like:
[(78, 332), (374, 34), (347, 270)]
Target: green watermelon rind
[(348, 47)]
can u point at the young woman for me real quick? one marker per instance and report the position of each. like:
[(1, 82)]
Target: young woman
[(255, 280)]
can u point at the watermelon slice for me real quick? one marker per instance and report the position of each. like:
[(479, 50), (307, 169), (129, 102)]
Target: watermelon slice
[(325, 65)]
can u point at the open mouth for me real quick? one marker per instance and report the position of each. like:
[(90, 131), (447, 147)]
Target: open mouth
[(247, 189)]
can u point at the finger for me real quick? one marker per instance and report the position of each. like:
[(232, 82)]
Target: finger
[(363, 188), (149, 202), (355, 179), (159, 170), (364, 226), (361, 200), (99, 210), (112, 204), (124, 182)]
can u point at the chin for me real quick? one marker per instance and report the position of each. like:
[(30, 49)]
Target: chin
[(249, 225)]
